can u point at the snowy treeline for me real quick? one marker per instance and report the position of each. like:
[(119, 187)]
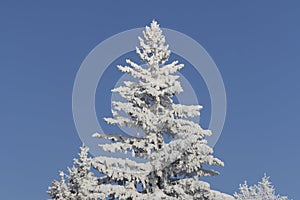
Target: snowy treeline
[(173, 147)]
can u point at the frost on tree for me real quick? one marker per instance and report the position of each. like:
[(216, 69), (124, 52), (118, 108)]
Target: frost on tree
[(173, 168), (59, 189), (79, 184), (264, 190)]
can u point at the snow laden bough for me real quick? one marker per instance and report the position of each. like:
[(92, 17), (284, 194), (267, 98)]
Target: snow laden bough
[(171, 169)]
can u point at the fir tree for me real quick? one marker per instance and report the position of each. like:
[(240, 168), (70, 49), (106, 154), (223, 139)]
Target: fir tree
[(59, 189), (173, 168), (264, 190), (81, 183)]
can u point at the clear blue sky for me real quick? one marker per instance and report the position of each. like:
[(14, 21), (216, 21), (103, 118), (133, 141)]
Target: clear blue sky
[(255, 45)]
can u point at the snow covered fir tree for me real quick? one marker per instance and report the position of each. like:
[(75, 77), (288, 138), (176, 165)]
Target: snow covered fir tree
[(173, 148), (173, 168), (81, 182), (264, 190)]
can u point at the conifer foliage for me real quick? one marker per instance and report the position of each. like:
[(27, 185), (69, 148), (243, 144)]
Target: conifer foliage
[(264, 190), (172, 168), (80, 184)]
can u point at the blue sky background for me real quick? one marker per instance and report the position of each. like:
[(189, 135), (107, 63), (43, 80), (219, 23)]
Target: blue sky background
[(255, 45)]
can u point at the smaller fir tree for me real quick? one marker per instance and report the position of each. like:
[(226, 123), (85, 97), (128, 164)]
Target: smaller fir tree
[(59, 189), (81, 183), (264, 190)]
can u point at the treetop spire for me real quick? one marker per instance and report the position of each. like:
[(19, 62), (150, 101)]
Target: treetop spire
[(154, 50)]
